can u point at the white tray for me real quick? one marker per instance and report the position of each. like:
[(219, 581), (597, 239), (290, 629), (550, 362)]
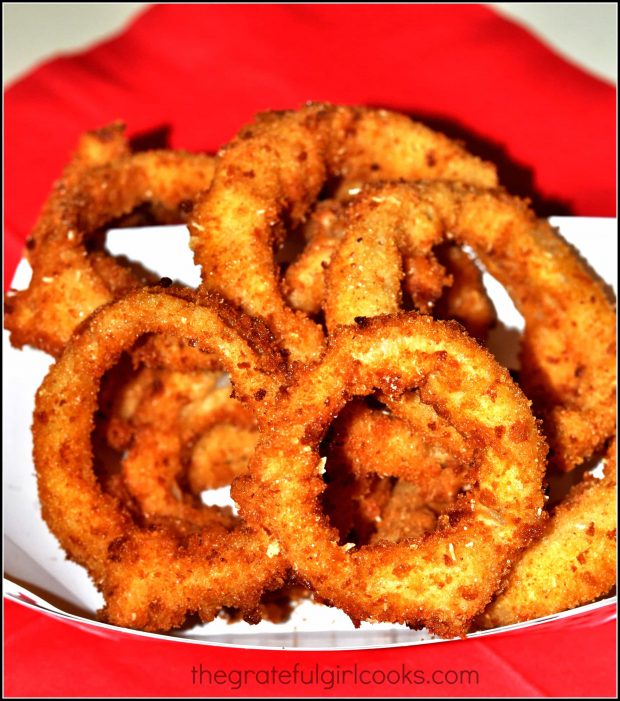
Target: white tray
[(36, 571)]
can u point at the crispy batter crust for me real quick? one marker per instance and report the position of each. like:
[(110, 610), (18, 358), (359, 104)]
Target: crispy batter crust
[(275, 169), (406, 515), (572, 381), (304, 280), (151, 578), (573, 562), (446, 579), (446, 283), (465, 300), (102, 183), (167, 425), (369, 449)]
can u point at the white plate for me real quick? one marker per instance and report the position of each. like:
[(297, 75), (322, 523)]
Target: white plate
[(36, 570)]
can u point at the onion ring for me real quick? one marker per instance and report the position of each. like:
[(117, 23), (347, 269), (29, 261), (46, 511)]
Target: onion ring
[(573, 563), (443, 581), (151, 396), (368, 448), (383, 443), (67, 281), (163, 445), (447, 284), (432, 548), (151, 578), (571, 382), (465, 300), (275, 169), (94, 148)]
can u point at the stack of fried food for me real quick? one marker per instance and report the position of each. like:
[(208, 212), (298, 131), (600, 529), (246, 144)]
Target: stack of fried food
[(379, 455)]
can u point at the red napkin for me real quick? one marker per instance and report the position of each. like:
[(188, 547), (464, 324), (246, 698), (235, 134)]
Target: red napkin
[(203, 71), (48, 657)]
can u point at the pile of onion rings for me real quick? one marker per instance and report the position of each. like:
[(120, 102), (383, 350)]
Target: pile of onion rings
[(331, 368)]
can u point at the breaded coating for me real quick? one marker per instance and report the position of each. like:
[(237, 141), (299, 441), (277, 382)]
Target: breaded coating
[(303, 281), (444, 580), (100, 185), (275, 169), (167, 425), (389, 446), (371, 449), (153, 577), (571, 380), (446, 283), (219, 455), (151, 395), (465, 300), (406, 515), (574, 561)]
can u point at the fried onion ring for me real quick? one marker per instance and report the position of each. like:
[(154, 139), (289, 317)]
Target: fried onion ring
[(158, 460), (368, 448), (443, 581), (67, 281), (151, 396), (571, 381), (448, 284), (151, 577), (273, 172), (393, 465), (573, 563)]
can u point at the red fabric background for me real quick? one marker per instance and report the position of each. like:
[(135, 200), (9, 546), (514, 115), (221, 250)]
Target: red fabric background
[(199, 73), (203, 71), (46, 656)]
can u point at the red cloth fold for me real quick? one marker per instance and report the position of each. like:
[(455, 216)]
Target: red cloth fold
[(204, 71)]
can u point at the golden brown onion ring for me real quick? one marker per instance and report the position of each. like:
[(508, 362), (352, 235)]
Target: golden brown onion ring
[(151, 396), (369, 448), (67, 282), (447, 284), (151, 578), (94, 148), (573, 563), (156, 465), (385, 444), (465, 300), (445, 580), (273, 172), (304, 279), (571, 380)]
